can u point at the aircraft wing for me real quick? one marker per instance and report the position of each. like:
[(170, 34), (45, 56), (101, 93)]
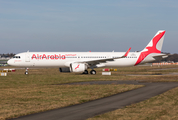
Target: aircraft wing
[(98, 61)]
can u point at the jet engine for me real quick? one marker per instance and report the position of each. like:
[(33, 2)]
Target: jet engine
[(78, 67)]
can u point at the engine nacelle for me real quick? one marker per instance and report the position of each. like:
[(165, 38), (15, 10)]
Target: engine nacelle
[(77, 67)]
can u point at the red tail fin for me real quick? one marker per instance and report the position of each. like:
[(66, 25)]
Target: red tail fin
[(154, 46)]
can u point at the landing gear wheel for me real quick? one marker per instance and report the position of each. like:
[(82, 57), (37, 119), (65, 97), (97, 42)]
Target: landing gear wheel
[(93, 72), (26, 72), (85, 72)]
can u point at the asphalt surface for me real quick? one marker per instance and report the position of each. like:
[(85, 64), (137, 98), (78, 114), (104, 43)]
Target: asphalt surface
[(96, 107)]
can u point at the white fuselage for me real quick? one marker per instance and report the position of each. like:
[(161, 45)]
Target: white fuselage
[(64, 59)]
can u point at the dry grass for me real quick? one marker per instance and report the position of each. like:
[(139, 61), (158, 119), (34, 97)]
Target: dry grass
[(39, 91), (29, 99), (25, 94)]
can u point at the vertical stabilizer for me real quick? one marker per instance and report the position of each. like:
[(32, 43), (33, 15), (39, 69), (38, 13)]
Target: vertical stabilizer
[(154, 46)]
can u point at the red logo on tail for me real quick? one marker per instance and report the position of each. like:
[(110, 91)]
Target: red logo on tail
[(151, 49)]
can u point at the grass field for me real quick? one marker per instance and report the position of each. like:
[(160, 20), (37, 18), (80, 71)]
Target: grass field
[(40, 90)]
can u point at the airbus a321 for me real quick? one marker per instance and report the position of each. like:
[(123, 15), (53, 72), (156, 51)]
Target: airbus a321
[(82, 61)]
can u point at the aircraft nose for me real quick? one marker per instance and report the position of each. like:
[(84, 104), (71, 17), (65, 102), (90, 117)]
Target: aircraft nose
[(9, 62)]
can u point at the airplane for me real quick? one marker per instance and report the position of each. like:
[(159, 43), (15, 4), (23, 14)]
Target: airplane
[(80, 62)]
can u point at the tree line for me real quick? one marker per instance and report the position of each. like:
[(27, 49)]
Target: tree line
[(7, 55), (173, 57)]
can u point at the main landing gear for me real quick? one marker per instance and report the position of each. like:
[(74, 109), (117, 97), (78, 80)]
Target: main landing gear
[(91, 72), (85, 72), (26, 71)]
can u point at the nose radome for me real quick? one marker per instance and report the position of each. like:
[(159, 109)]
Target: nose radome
[(9, 62)]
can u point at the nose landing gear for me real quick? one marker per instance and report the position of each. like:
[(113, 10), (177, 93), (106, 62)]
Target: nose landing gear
[(26, 71)]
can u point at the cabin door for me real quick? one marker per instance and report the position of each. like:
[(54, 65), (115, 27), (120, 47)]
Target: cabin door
[(27, 57)]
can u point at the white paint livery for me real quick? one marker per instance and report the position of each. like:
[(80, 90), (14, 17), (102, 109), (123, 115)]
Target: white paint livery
[(81, 61)]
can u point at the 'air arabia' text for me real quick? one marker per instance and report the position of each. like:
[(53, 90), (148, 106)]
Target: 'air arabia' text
[(44, 56)]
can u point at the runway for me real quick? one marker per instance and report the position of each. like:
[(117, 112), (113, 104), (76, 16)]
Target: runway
[(93, 108)]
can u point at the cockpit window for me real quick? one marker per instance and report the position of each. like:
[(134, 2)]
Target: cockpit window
[(18, 57)]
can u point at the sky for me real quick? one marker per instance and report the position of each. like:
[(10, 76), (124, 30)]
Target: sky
[(86, 25)]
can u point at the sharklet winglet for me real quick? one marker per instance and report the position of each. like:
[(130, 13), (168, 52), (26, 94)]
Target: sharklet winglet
[(125, 55)]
